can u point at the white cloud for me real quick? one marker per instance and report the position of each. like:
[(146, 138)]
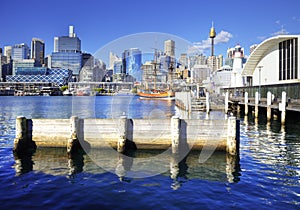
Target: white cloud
[(200, 47), (281, 32)]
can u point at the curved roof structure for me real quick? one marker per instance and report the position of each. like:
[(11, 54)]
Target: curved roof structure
[(260, 51)]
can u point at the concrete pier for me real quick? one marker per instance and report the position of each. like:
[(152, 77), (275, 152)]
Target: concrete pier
[(269, 103), (122, 128), (246, 103), (275, 107), (175, 129), (226, 102), (76, 129), (256, 104), (232, 140), (171, 133), (23, 142), (282, 107), (207, 102)]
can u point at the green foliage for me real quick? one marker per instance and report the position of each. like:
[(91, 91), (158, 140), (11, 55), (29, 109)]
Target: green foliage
[(100, 90), (134, 90), (63, 88)]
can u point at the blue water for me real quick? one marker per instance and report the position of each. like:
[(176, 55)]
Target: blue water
[(265, 176)]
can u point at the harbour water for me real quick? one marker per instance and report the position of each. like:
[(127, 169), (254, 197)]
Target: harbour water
[(265, 176)]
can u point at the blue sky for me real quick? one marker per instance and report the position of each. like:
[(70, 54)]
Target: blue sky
[(99, 22)]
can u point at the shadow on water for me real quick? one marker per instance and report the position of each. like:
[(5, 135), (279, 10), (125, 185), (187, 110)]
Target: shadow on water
[(55, 161), (23, 163)]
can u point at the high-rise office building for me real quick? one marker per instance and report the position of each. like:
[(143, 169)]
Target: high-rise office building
[(20, 52), (69, 43), (67, 60), (132, 62), (38, 50), (219, 61), (67, 53), (7, 52), (28, 63), (212, 63), (169, 49)]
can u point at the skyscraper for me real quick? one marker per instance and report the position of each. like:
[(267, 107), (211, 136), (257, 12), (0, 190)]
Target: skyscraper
[(169, 48), (69, 43), (38, 50), (67, 52), (20, 52), (7, 52), (132, 62)]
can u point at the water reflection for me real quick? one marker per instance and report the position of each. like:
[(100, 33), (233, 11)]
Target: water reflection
[(23, 163), (55, 161), (76, 163), (270, 144)]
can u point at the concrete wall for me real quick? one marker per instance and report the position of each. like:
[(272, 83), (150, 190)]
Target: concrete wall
[(51, 132), (145, 133)]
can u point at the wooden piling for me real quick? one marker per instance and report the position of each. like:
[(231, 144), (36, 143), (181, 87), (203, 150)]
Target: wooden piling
[(122, 127), (283, 107), (269, 102), (175, 133), (23, 142), (256, 104), (207, 103), (246, 103), (226, 102), (73, 144), (232, 136)]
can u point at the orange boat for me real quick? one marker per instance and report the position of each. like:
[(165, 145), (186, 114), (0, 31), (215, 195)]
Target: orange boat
[(157, 94)]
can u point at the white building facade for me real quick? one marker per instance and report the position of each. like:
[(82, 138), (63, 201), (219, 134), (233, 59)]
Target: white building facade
[(274, 61)]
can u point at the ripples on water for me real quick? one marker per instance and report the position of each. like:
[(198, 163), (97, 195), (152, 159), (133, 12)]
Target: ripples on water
[(266, 176)]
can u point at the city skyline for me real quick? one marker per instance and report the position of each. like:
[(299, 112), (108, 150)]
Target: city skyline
[(98, 23)]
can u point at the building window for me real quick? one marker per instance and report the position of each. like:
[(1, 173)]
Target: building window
[(288, 59)]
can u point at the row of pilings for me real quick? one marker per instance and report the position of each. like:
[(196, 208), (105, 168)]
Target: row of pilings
[(178, 132), (269, 104)]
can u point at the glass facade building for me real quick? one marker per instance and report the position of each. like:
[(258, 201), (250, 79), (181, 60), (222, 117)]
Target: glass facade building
[(118, 67), (20, 52), (67, 53), (67, 44), (67, 60), (27, 63), (132, 62), (38, 50), (41, 74)]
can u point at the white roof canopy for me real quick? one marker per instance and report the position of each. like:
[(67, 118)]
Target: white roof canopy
[(260, 50)]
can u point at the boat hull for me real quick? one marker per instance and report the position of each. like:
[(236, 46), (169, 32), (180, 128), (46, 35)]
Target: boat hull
[(157, 95)]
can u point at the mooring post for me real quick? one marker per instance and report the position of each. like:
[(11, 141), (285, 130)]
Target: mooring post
[(283, 107), (246, 103), (269, 102), (23, 141), (232, 136), (198, 91), (122, 134), (73, 143), (256, 104), (207, 103), (226, 102), (175, 131)]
